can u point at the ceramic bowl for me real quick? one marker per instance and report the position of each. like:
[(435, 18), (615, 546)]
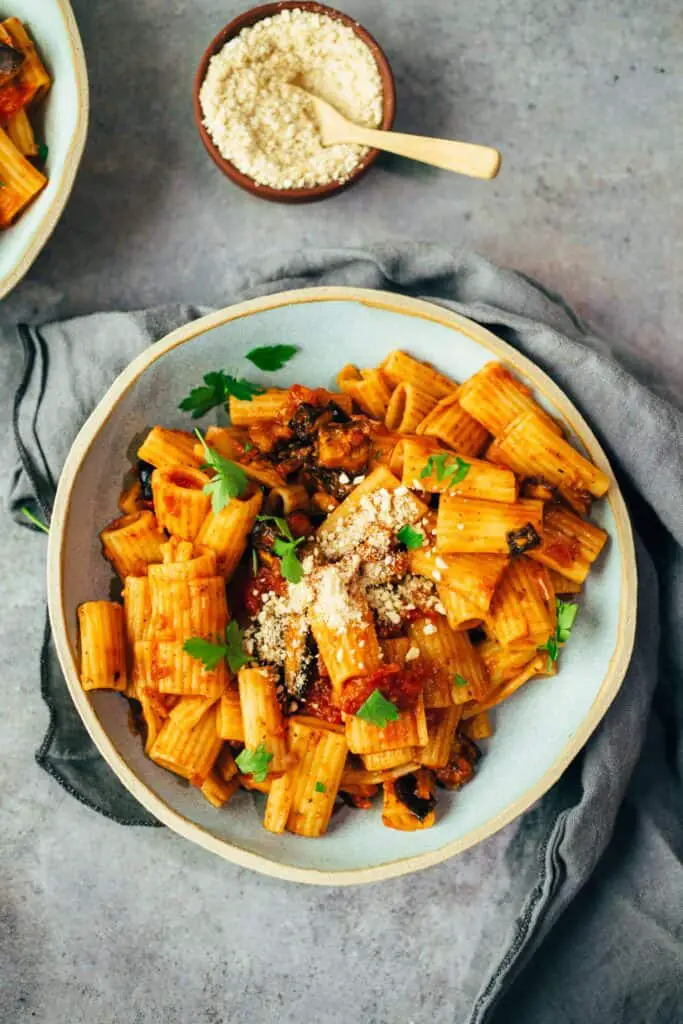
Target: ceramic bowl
[(537, 731), (292, 195), (63, 121)]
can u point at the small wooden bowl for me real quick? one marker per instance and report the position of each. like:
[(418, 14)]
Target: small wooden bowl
[(292, 195)]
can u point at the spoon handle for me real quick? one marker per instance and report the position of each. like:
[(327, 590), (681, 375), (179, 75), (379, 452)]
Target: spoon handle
[(463, 157)]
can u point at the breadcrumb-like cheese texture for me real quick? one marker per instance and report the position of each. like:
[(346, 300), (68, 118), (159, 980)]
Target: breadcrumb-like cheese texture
[(268, 130)]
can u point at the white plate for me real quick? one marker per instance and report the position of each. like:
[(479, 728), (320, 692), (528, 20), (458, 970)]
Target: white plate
[(538, 731), (63, 119)]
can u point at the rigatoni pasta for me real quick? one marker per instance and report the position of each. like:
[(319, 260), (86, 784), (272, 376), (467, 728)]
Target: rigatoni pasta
[(330, 596)]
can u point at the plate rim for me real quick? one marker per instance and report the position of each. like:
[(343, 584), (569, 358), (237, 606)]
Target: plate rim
[(35, 244), (403, 305)]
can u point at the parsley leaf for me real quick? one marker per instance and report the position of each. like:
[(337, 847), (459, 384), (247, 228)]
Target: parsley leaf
[(290, 566), (446, 469), (211, 654), (248, 447), (320, 787), (42, 152), (3, 184), (459, 681), (553, 650), (566, 614), (208, 653), (242, 389), (411, 538), (271, 357), (201, 400), (35, 520), (377, 710), (234, 653), (285, 548), (254, 762), (215, 391), (229, 482)]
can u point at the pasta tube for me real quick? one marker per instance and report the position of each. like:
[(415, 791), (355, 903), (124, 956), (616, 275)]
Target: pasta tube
[(165, 449), (570, 545), (438, 649), (137, 607), (320, 753), (495, 398), (530, 447), (133, 543), (369, 389), (103, 647), (409, 730), (428, 467), (262, 715), (441, 725), (227, 532), (229, 723), (523, 606), (474, 576), (407, 407), (449, 423), (21, 181), (401, 368), (189, 751), (494, 527), (180, 503)]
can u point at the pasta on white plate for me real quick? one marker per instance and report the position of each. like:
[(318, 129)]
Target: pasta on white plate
[(24, 82), (328, 598)]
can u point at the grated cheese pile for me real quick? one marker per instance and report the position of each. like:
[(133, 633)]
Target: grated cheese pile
[(268, 130), (363, 570)]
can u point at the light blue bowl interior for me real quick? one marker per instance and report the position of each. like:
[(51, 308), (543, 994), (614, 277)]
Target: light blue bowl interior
[(531, 729)]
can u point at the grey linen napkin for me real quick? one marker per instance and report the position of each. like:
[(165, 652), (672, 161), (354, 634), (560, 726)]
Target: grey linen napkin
[(599, 920)]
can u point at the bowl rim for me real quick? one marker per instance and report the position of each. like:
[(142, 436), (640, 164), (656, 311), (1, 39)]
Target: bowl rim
[(67, 176), (245, 20), (403, 305)]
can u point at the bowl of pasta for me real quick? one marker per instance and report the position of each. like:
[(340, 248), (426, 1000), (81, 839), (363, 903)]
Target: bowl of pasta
[(376, 590), (43, 125)]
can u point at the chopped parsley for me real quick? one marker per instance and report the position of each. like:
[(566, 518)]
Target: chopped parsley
[(566, 614), (459, 681), (271, 357), (450, 469), (254, 562), (285, 548), (411, 538), (320, 787), (254, 762), (35, 520), (248, 447), (377, 710), (42, 152), (211, 654), (217, 387), (3, 184), (229, 482)]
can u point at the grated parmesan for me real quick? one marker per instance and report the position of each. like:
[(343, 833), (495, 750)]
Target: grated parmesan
[(268, 130)]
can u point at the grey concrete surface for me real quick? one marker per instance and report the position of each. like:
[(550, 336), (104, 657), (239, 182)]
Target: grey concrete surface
[(114, 926)]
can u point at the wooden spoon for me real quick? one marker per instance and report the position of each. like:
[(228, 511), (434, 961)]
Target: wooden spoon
[(462, 157)]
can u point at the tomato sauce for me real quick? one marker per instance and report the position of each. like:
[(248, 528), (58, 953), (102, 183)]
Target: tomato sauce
[(401, 686)]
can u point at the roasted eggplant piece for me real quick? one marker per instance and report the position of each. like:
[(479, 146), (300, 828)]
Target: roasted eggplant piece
[(10, 63), (344, 446), (462, 763), (522, 540), (145, 470), (409, 802)]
